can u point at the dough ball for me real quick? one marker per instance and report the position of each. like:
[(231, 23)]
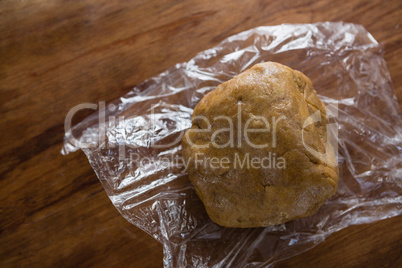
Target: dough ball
[(256, 153)]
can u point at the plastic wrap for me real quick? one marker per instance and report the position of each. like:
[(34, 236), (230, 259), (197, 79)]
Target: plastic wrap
[(150, 187)]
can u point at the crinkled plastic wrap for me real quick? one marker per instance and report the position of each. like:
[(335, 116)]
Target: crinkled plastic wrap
[(134, 151)]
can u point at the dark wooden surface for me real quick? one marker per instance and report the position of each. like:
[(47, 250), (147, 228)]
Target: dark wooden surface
[(57, 54)]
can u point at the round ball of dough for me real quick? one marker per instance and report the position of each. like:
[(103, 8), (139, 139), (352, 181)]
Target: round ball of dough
[(257, 152)]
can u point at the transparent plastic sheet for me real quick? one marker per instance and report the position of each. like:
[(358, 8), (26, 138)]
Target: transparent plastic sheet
[(346, 67)]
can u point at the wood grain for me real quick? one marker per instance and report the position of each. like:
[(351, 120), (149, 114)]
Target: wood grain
[(57, 54)]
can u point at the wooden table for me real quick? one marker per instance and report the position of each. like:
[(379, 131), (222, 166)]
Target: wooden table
[(57, 54)]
